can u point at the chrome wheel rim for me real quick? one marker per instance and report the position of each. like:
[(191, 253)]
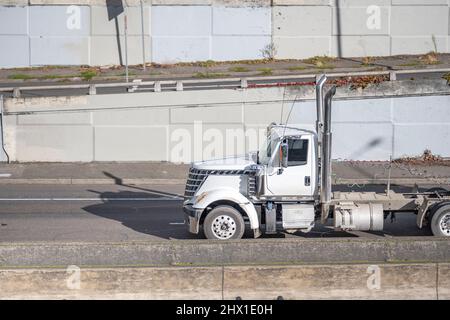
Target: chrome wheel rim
[(224, 227), (444, 224)]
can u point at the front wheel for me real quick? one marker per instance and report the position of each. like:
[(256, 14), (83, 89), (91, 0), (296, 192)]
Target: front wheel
[(224, 223), (440, 221)]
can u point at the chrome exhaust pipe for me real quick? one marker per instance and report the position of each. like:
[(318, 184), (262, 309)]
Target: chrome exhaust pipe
[(320, 82), (325, 195)]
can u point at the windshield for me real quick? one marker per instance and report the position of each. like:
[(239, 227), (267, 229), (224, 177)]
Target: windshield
[(266, 150)]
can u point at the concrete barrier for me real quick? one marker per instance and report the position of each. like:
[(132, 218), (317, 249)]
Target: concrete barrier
[(347, 281), (443, 280), (118, 283), (213, 253)]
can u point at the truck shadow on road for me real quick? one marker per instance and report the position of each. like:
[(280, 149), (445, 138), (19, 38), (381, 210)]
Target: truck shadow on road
[(146, 210)]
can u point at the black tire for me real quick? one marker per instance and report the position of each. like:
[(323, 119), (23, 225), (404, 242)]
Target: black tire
[(226, 217), (440, 215)]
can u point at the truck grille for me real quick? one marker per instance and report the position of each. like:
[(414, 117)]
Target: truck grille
[(195, 180), (198, 176)]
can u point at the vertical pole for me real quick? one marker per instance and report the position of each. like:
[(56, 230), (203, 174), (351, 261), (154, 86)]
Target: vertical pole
[(388, 191), (143, 34), (2, 124), (126, 43)]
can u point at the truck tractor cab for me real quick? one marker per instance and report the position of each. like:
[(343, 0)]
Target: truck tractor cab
[(224, 195)]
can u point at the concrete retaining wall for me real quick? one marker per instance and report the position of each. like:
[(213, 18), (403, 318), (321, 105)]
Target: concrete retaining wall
[(385, 281), (388, 119), (243, 252), (73, 32)]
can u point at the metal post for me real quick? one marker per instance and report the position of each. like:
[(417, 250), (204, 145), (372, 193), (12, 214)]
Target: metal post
[(126, 43), (388, 191), (143, 35), (2, 124)]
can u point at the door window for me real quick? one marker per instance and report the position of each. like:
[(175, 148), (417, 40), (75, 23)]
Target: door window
[(297, 152)]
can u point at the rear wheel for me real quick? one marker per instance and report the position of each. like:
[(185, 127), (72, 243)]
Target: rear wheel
[(224, 223), (440, 221)]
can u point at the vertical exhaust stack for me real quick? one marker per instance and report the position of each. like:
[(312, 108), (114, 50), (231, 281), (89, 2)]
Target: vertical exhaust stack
[(325, 195), (320, 82)]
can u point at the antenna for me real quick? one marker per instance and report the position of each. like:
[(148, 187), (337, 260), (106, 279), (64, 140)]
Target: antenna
[(289, 114)]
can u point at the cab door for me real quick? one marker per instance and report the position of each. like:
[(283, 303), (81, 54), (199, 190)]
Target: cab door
[(296, 178)]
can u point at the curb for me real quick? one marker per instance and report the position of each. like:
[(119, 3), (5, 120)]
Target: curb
[(397, 181), (93, 181), (150, 181)]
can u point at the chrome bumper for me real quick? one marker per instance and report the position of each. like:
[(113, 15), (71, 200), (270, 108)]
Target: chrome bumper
[(192, 218)]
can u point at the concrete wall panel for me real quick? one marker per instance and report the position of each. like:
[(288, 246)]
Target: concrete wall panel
[(228, 114), (357, 20), (13, 20), (301, 47), (54, 143), (302, 21), (174, 49), (444, 281), (362, 141), (134, 143), (178, 21), (370, 110), (303, 112), (419, 20), (418, 44), (413, 139), (66, 21), (241, 21), (422, 109), (101, 25), (197, 142), (263, 114), (18, 57), (82, 118), (225, 48), (360, 46), (59, 50), (134, 117), (106, 50)]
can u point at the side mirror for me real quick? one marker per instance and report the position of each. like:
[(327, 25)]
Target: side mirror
[(284, 155)]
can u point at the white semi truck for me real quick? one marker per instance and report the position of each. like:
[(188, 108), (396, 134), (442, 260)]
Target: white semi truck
[(287, 186)]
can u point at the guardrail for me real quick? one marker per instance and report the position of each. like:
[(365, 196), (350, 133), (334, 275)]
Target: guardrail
[(180, 85)]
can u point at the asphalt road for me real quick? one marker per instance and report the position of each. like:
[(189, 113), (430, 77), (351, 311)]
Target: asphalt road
[(92, 213)]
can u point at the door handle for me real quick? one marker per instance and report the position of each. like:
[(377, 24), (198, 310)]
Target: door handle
[(307, 181)]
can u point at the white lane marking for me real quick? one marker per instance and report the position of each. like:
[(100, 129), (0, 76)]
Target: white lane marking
[(92, 199), (176, 223), (5, 175)]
